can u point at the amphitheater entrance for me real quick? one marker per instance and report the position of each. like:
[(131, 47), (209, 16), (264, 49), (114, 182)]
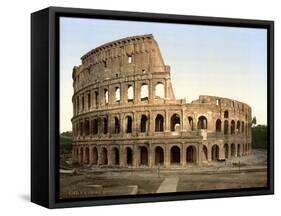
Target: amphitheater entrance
[(205, 153), (81, 155), (175, 155), (232, 150), (104, 159), (159, 156), (87, 156), (95, 156), (143, 156), (129, 154), (191, 154), (226, 150), (115, 156), (215, 152), (144, 121), (238, 150)]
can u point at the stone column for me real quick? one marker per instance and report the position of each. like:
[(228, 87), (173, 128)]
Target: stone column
[(165, 89), (221, 151), (166, 121), (122, 122), (183, 155), (136, 124), (150, 156), (151, 120), (183, 121), (136, 156), (109, 155), (84, 155), (151, 91), (137, 89), (209, 153), (122, 156), (199, 153), (90, 155), (167, 156), (124, 93)]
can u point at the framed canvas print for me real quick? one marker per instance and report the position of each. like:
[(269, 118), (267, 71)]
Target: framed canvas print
[(139, 107)]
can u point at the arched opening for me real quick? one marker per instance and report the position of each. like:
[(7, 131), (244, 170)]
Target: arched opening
[(105, 125), (130, 93), (115, 156), (89, 101), (129, 125), (96, 98), (81, 128), (243, 127), (232, 127), (202, 122), (238, 150), (232, 150), (159, 123), (105, 96), (175, 155), (159, 156), (215, 152), (130, 59), (225, 127), (205, 153), (117, 94), (226, 115), (87, 127), (226, 150), (218, 102), (83, 103), (238, 127), (87, 156), (191, 154), (94, 126), (81, 155), (190, 122), (95, 156), (143, 156), (175, 122), (218, 125), (129, 158), (104, 159), (76, 155), (144, 92), (143, 125), (159, 90), (116, 125)]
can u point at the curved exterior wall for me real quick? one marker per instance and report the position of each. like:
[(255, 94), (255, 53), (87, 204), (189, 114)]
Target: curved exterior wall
[(125, 113)]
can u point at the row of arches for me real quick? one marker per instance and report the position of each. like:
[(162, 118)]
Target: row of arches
[(100, 125), (141, 156), (234, 127), (92, 99)]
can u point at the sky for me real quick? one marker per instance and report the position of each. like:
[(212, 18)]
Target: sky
[(228, 62)]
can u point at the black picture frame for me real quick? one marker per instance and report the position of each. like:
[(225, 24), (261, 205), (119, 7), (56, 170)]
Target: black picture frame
[(45, 105)]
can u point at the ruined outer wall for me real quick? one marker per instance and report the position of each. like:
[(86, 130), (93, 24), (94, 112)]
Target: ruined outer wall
[(108, 120)]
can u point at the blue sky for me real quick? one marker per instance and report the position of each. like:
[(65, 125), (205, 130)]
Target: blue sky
[(205, 60)]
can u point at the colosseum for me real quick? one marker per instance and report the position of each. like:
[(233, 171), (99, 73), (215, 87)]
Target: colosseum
[(125, 113)]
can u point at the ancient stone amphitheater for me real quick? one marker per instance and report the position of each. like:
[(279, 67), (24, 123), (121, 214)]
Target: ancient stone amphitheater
[(126, 113)]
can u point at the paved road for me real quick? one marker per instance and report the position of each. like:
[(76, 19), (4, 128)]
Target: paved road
[(168, 185)]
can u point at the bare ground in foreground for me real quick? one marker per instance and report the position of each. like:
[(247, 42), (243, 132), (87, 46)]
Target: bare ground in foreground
[(244, 172)]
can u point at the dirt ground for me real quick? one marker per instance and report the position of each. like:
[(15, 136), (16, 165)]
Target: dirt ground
[(244, 172)]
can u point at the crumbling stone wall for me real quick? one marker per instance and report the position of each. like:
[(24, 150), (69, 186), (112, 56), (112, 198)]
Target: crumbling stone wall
[(125, 113)]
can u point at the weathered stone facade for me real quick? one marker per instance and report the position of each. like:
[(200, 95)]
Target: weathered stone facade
[(126, 114)]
